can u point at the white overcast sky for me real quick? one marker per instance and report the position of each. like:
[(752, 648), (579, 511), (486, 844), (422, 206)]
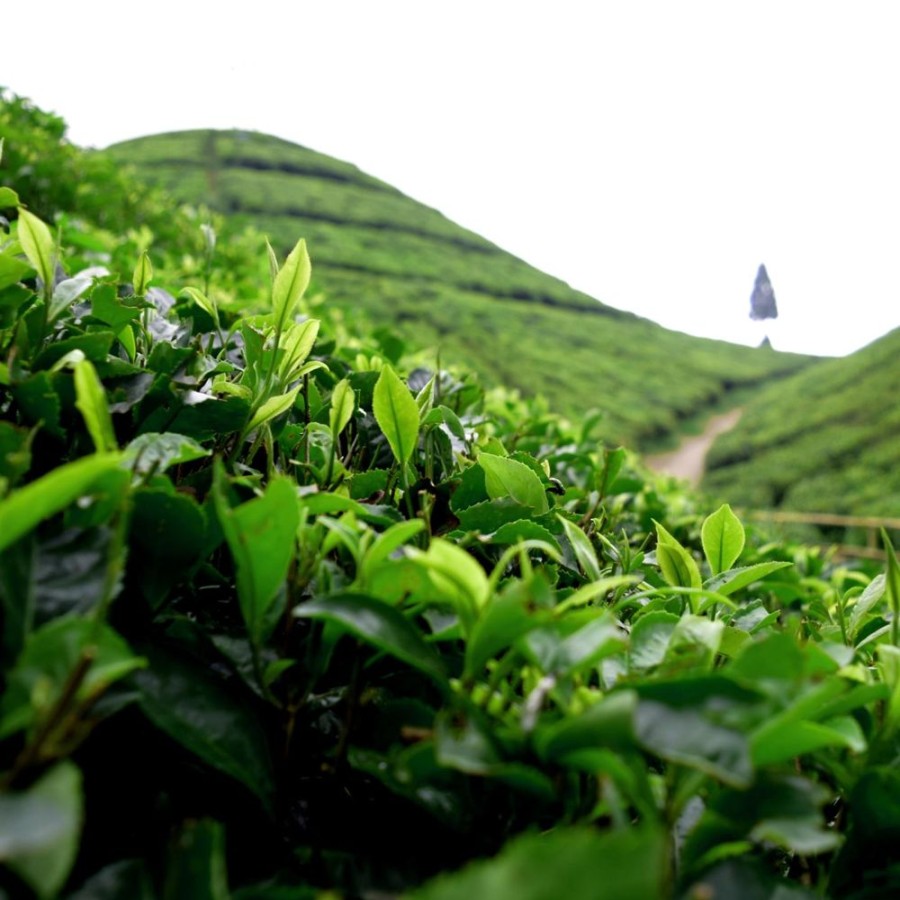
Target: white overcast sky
[(652, 154)]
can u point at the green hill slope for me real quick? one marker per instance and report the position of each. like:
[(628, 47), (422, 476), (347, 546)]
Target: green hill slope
[(401, 263), (824, 440)]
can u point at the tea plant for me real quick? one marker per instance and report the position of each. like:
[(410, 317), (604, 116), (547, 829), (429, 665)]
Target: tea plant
[(284, 613)]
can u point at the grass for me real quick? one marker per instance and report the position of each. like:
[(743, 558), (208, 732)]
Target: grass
[(400, 263)]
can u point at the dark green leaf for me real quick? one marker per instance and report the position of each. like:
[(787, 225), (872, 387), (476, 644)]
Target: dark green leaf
[(561, 652), (208, 717), (377, 624), (154, 452), (747, 880), (70, 571), (687, 737), (608, 723), (262, 536), (523, 530), (504, 620), (95, 345), (115, 311), (169, 532), (462, 742), (204, 419), (39, 401), (15, 452)]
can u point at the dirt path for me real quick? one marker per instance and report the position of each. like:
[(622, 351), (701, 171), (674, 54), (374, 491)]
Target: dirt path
[(688, 459)]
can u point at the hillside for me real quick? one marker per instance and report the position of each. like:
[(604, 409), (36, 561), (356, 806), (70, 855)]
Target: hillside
[(401, 263), (825, 439)]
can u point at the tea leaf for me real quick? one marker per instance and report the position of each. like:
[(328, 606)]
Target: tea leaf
[(504, 620), (583, 549), (39, 247), (377, 624), (341, 410), (143, 273), (153, 452), (261, 535), (25, 508), (509, 478), (563, 655), (607, 723), (687, 737), (273, 261), (91, 402), (780, 740), (297, 341), (12, 271), (733, 580), (8, 198), (273, 408), (397, 414), (677, 565), (392, 539), (650, 636), (290, 284), (723, 539), (198, 297), (867, 600)]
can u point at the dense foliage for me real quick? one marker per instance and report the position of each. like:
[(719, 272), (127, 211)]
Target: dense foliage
[(285, 612), (441, 286)]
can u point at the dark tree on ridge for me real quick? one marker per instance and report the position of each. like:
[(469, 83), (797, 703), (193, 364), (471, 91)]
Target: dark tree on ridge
[(762, 300)]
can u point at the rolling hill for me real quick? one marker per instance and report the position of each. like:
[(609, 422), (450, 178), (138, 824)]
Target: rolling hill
[(825, 439), (379, 253)]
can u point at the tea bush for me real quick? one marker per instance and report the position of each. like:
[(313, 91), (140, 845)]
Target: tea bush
[(285, 612)]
